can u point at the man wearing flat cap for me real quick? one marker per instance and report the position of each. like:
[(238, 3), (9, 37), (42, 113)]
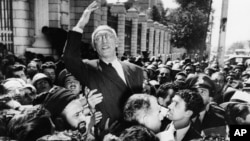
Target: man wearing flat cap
[(116, 80)]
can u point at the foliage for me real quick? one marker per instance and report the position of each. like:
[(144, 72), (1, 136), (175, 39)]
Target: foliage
[(188, 24), (155, 14)]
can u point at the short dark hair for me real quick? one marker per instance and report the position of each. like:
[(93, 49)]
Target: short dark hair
[(163, 89), (235, 110), (193, 100), (135, 103), (200, 80), (138, 133)]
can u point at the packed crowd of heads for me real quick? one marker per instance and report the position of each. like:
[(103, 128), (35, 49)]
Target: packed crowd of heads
[(41, 100)]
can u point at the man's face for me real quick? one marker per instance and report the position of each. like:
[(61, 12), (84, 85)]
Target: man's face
[(189, 70), (180, 78), (105, 44), (177, 109), (42, 86), (20, 74), (219, 81), (164, 75), (166, 101), (153, 118), (50, 72), (73, 85), (75, 113), (205, 95)]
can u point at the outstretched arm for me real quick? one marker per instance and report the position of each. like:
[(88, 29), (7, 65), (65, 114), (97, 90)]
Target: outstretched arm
[(72, 51)]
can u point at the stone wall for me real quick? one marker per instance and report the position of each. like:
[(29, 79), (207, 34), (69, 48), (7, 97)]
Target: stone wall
[(23, 23)]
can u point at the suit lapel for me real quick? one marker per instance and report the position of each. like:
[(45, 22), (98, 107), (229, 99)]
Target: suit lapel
[(127, 75)]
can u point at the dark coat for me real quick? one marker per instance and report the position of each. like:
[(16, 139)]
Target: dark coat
[(95, 74), (214, 117)]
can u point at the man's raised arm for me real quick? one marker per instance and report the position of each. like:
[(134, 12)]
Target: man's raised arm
[(72, 50)]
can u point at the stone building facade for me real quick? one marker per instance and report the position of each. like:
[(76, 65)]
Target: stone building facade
[(135, 31)]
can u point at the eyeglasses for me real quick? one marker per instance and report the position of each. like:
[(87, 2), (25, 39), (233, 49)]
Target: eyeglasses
[(99, 38)]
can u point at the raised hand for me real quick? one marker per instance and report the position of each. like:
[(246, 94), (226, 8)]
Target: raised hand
[(86, 14), (94, 99)]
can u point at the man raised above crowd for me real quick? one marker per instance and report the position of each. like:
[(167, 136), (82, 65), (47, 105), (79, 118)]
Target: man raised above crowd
[(116, 80)]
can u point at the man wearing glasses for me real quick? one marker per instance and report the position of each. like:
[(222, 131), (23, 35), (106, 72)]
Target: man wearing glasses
[(116, 80)]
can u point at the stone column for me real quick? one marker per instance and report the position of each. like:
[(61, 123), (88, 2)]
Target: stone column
[(64, 12), (104, 15), (156, 45), (54, 13), (132, 14), (161, 38), (41, 19), (151, 36), (23, 25), (143, 21), (165, 48), (119, 10)]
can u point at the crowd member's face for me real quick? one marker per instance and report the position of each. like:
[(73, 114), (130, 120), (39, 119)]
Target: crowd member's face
[(219, 81), (153, 118), (20, 74), (164, 75), (189, 70), (177, 109), (50, 72), (180, 78), (42, 86), (73, 85), (32, 69), (105, 44), (166, 101), (205, 95), (237, 72), (75, 113)]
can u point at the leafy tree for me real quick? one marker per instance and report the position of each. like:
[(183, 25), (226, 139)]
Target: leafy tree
[(155, 14), (189, 23)]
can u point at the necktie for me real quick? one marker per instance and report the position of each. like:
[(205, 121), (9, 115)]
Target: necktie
[(197, 123)]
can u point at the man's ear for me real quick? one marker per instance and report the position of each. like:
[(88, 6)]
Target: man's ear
[(188, 113)]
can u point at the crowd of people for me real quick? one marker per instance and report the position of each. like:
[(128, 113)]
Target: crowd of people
[(108, 99)]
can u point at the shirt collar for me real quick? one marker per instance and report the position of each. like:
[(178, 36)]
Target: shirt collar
[(180, 133)]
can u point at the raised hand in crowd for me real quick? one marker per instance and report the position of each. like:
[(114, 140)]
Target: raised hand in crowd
[(86, 14), (94, 99)]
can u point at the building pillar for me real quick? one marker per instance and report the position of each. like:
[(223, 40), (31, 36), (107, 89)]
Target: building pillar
[(143, 21), (156, 43), (104, 16), (41, 17), (65, 13), (23, 25), (165, 44), (151, 36), (161, 38), (119, 10), (132, 14)]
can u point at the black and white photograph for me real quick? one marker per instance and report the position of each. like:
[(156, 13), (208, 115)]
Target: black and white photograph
[(124, 70)]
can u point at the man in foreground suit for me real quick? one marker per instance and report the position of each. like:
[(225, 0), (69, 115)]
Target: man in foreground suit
[(114, 79)]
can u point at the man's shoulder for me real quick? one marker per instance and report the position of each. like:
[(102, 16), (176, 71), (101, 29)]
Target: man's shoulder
[(132, 66), (92, 63)]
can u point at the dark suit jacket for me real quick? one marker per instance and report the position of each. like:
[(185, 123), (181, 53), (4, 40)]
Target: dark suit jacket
[(214, 117), (191, 134), (95, 74)]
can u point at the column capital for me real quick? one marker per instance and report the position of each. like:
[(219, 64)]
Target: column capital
[(117, 8), (142, 17), (132, 13)]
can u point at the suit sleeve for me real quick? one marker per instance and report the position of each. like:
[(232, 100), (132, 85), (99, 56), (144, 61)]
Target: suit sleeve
[(72, 57)]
